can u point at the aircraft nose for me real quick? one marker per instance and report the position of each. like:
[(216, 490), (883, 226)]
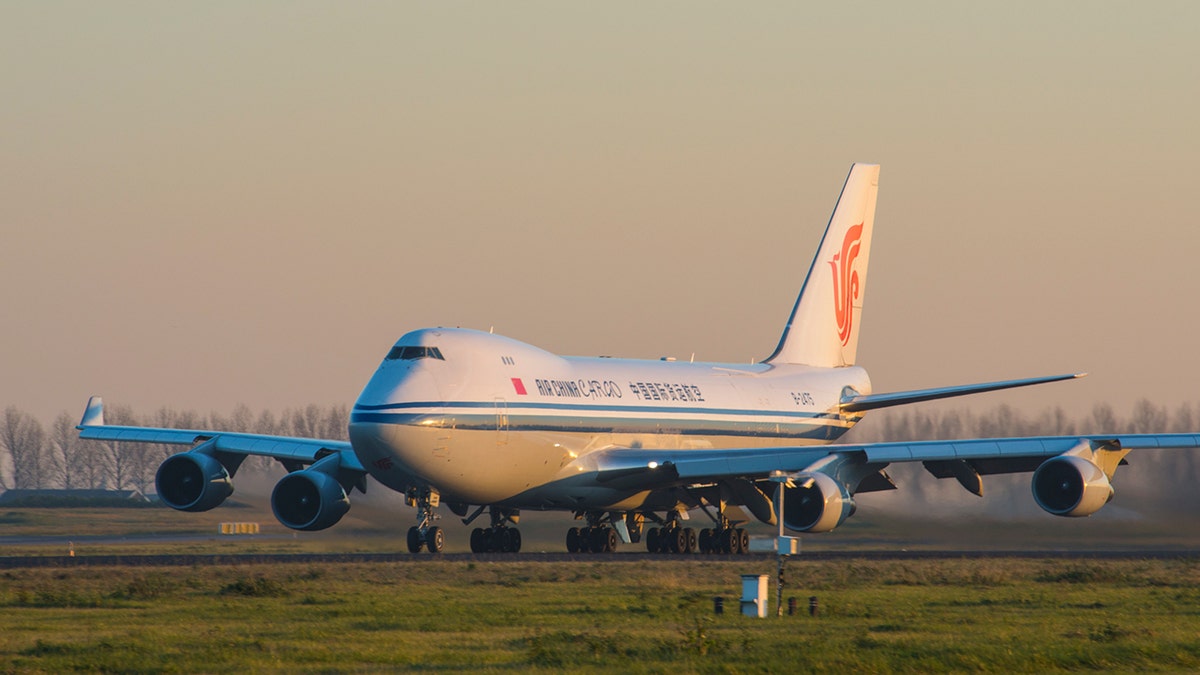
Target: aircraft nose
[(397, 384)]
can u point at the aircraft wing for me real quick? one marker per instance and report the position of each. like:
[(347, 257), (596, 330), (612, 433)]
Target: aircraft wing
[(860, 467), (998, 455), (290, 450)]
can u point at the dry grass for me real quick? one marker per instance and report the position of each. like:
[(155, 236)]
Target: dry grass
[(652, 616)]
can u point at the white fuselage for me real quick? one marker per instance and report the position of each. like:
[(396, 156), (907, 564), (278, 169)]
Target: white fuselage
[(485, 419)]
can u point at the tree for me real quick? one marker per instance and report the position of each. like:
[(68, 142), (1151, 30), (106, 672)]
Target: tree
[(68, 455), (1104, 420), (117, 458), (1148, 418), (337, 423), (25, 440)]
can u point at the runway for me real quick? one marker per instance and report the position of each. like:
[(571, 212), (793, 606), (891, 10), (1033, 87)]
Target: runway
[(18, 562)]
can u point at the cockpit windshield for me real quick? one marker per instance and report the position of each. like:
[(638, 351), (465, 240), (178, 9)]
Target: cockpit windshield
[(411, 353)]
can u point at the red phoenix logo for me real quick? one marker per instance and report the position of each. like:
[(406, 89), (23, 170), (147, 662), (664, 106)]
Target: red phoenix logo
[(845, 281)]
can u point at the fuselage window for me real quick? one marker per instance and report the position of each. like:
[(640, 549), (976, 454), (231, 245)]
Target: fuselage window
[(409, 353)]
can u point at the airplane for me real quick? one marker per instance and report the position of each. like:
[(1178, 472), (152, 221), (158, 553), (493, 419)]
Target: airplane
[(485, 423)]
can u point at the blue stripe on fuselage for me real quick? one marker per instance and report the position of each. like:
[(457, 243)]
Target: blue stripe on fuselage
[(575, 407), (812, 428)]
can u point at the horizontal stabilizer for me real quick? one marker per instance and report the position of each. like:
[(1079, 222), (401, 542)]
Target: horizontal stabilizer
[(862, 403)]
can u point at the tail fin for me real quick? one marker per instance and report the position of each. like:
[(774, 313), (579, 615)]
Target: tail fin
[(823, 327)]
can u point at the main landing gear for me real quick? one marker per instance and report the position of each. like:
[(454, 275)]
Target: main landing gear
[(673, 538), (600, 536), (499, 538), (423, 534), (731, 540)]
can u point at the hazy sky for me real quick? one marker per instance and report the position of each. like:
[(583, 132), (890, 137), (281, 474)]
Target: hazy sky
[(220, 202)]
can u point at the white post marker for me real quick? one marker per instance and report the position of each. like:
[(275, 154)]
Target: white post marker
[(784, 545), (754, 595)]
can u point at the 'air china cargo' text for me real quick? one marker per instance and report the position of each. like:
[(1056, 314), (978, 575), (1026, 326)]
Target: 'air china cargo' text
[(578, 388)]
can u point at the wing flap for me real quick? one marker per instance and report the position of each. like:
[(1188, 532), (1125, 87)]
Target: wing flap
[(923, 451)]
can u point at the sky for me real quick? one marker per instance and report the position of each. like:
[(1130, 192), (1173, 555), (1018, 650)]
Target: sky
[(206, 204)]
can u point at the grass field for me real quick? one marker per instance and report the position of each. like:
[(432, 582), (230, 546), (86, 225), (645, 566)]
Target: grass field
[(657, 616)]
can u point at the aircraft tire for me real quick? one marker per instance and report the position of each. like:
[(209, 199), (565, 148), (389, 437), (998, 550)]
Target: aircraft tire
[(730, 542), (573, 541), (677, 541), (478, 544), (690, 536), (652, 537), (610, 540), (435, 539), (596, 539), (705, 540), (743, 541), (514, 540), (414, 540)]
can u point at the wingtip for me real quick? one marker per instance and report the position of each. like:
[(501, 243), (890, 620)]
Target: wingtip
[(93, 415)]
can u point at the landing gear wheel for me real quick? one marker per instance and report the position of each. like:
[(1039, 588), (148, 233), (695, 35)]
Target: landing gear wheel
[(677, 541), (574, 543), (478, 541), (596, 539), (508, 540), (690, 539), (652, 540), (730, 542), (435, 538), (706, 540), (743, 541), (603, 540), (415, 541), (423, 533)]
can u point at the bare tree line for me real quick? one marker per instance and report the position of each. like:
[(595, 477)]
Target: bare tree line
[(33, 456), (36, 456)]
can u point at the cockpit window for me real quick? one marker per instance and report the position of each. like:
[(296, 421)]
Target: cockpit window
[(409, 353)]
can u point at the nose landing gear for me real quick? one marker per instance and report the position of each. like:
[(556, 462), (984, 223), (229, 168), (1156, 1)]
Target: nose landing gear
[(423, 534)]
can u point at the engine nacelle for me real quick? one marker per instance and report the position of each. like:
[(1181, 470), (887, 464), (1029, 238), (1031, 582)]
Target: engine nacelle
[(818, 503), (192, 481), (1071, 486), (309, 500)]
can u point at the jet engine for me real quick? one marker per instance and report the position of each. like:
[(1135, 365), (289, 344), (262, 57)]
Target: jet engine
[(818, 503), (309, 500), (193, 481), (1071, 486)]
